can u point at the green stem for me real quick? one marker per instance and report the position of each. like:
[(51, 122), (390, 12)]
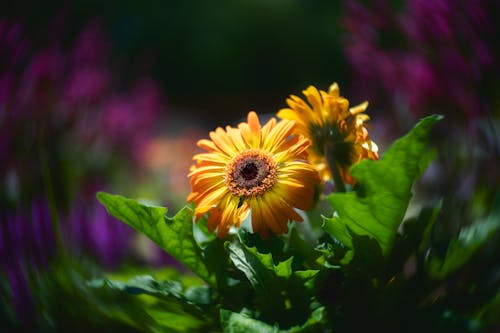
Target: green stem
[(49, 190), (339, 184)]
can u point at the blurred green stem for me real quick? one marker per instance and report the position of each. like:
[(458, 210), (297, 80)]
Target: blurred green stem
[(339, 184), (48, 187)]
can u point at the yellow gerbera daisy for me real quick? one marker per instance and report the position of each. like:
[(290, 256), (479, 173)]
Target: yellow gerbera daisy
[(252, 168), (336, 131)]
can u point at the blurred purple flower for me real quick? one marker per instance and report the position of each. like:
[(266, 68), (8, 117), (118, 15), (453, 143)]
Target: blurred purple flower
[(28, 244), (91, 231), (19, 296), (132, 116), (71, 87), (12, 43), (429, 18), (86, 83), (60, 113), (88, 230), (68, 97), (65, 120), (39, 83), (429, 54), (27, 236), (92, 46)]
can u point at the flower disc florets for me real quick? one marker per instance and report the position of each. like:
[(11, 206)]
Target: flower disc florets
[(251, 173)]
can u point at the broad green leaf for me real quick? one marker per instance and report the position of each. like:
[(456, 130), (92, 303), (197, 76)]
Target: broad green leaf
[(378, 205), (306, 275), (257, 272), (177, 321), (201, 233), (283, 269), (313, 324), (461, 248), (329, 252), (147, 285), (174, 235), (258, 267), (143, 284), (283, 296), (274, 245), (233, 322), (238, 323), (489, 313), (414, 238), (303, 251), (175, 309)]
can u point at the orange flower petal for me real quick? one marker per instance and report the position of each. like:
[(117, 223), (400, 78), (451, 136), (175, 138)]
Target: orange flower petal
[(252, 168)]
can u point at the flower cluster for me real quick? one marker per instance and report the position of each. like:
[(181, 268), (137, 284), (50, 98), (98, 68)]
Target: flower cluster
[(271, 170)]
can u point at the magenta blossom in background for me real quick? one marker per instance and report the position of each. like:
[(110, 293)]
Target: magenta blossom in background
[(89, 231), (67, 122), (74, 91), (430, 55), (28, 246), (90, 78), (68, 103), (130, 116), (27, 236)]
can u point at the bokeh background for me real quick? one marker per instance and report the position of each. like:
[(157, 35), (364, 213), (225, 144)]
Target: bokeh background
[(113, 95)]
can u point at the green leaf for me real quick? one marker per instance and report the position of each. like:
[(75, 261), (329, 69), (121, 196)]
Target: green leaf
[(489, 313), (414, 238), (306, 275), (378, 205), (367, 263), (143, 284), (283, 295), (256, 269), (461, 248), (174, 309), (303, 251), (283, 269), (146, 284), (238, 323), (313, 324), (174, 235)]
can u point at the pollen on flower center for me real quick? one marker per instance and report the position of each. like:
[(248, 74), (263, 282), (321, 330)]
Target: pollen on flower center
[(251, 173)]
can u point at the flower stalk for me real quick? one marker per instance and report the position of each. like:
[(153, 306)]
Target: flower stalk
[(332, 164)]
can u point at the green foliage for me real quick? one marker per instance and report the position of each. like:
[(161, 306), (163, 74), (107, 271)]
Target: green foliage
[(283, 294), (377, 207), (174, 235), (240, 323), (173, 308), (62, 297), (461, 248), (366, 269)]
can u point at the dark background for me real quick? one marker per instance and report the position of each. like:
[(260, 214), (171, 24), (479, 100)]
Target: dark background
[(216, 60)]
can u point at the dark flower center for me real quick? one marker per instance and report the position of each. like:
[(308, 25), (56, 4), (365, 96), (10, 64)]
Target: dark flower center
[(330, 137), (249, 171)]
